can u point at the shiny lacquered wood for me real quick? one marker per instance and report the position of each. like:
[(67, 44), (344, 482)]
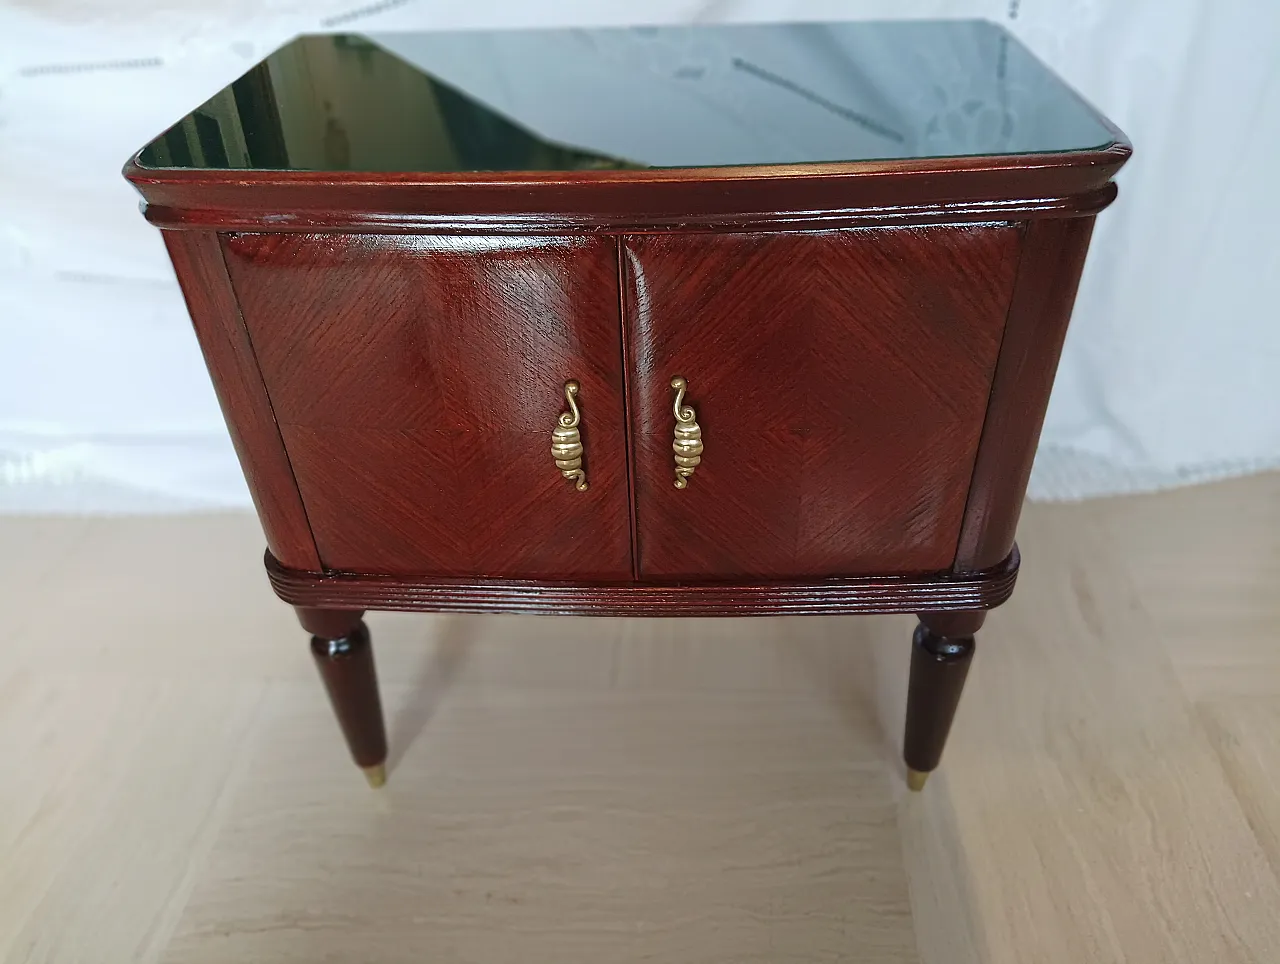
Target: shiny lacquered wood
[(416, 382), (939, 667), (934, 592), (840, 381), (1048, 275), (197, 260), (343, 654), (803, 195), (398, 356)]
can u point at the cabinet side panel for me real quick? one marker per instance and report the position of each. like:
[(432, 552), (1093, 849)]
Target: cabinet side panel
[(1044, 293), (202, 273)]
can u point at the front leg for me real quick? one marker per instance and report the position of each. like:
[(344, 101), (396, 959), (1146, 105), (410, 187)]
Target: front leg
[(941, 651), (344, 656)]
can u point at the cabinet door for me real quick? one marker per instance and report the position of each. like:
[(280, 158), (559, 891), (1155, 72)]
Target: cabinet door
[(840, 380), (417, 381)]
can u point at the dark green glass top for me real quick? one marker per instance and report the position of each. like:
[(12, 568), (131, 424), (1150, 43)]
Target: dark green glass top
[(556, 100)]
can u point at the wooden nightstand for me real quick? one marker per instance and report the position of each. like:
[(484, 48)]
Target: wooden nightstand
[(476, 355)]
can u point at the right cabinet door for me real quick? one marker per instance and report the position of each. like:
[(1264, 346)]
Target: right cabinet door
[(840, 380)]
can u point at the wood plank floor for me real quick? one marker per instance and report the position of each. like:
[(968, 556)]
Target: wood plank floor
[(173, 788)]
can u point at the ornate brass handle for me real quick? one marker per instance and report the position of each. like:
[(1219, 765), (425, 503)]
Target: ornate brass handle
[(566, 441), (688, 441)]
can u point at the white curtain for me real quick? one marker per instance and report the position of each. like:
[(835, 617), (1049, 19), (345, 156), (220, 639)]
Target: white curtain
[(1169, 373)]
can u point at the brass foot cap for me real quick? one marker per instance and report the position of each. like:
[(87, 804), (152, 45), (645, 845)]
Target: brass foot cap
[(915, 780), (376, 776)]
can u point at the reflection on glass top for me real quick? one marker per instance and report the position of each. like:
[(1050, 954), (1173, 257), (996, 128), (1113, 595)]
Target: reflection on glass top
[(557, 100)]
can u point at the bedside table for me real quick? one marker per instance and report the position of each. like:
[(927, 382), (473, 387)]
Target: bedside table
[(705, 321)]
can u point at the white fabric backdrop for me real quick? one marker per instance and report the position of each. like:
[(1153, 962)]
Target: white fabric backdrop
[(1169, 374)]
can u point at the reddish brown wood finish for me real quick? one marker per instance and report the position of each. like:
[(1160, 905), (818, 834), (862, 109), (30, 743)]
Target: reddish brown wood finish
[(932, 593), (1048, 275), (918, 189), (416, 382), (865, 406), (346, 666), (840, 381), (939, 666), (197, 259), (628, 367)]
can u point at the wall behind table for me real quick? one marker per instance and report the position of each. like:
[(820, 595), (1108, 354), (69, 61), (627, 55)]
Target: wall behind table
[(1168, 375)]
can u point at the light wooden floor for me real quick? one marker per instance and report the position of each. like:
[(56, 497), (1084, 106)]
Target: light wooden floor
[(172, 787)]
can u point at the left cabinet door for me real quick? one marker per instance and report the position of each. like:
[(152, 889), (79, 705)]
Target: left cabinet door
[(417, 380)]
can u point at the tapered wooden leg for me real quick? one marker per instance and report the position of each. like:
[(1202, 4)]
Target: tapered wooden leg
[(941, 651), (344, 656)]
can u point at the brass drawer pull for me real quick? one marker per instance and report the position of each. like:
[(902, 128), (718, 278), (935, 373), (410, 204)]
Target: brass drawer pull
[(566, 441), (688, 440)]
